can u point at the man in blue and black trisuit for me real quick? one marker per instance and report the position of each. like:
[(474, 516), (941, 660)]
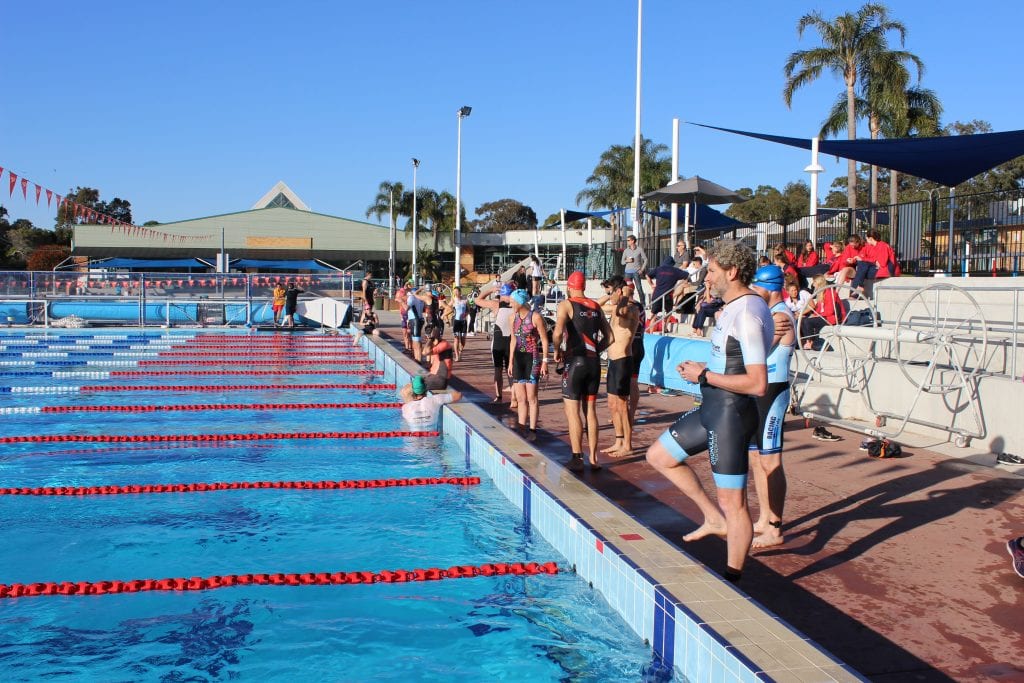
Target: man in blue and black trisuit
[(726, 421)]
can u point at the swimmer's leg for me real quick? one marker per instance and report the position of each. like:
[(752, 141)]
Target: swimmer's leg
[(669, 458)]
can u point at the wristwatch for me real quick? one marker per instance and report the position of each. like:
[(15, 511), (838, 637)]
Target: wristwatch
[(702, 378)]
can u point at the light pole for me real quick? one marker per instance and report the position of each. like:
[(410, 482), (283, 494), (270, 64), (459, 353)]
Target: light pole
[(814, 168), (415, 225), (462, 113), (635, 207)]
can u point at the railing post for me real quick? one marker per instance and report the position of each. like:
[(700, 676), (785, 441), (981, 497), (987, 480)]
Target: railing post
[(933, 229)]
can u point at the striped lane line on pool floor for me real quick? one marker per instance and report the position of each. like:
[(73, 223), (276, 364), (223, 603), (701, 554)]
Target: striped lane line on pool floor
[(198, 407), (86, 374), (188, 387), (202, 487), (247, 436)]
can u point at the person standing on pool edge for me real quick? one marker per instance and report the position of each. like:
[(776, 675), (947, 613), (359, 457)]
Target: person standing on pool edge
[(726, 421), (291, 302), (580, 322), (278, 303)]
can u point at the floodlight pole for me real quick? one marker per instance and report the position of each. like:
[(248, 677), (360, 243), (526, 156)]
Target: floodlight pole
[(673, 218), (462, 113), (635, 208), (814, 169), (392, 239), (415, 225)]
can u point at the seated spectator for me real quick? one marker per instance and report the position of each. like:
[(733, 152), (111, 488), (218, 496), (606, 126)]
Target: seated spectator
[(828, 310), (797, 299), (709, 306), (421, 410), (875, 261), (843, 269)]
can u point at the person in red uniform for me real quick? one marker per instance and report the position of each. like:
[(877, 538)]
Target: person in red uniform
[(875, 261), (844, 267)]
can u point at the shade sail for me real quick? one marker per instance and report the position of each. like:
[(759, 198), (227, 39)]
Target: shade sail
[(948, 160), (694, 189), (704, 218), (148, 264), (282, 264)]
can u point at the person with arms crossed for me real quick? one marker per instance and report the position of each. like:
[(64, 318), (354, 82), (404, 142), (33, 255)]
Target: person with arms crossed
[(726, 421), (581, 324), (769, 476), (634, 260), (625, 320)]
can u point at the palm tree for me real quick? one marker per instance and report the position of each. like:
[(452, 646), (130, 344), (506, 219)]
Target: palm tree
[(916, 113), (848, 43), (610, 186), (428, 263), (388, 193)]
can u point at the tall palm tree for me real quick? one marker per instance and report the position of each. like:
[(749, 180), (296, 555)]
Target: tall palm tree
[(386, 193), (848, 43), (610, 185), (917, 112)]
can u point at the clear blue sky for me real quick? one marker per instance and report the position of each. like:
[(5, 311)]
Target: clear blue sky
[(194, 108)]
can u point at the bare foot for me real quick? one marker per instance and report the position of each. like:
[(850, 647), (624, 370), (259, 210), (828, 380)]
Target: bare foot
[(594, 464), (767, 540), (706, 529), (620, 453), (612, 449), (760, 526)]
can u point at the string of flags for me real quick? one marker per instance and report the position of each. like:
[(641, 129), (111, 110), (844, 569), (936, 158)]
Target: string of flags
[(87, 214)]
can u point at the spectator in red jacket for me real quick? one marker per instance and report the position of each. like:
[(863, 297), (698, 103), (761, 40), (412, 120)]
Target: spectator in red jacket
[(808, 265), (845, 266), (876, 260), (808, 258), (828, 310)]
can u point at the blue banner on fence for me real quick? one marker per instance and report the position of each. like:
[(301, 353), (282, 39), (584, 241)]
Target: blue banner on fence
[(664, 354)]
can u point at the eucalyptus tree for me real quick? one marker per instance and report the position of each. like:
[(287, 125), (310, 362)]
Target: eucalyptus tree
[(848, 43)]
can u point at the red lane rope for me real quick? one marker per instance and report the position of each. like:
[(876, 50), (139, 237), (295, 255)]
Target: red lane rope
[(259, 436), (256, 354), (252, 343), (96, 388), (236, 485), (283, 361), (214, 406), (197, 583), (219, 373)]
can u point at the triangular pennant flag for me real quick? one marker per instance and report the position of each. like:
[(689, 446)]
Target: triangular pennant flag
[(24, 188), (14, 181), (49, 195), (38, 190)]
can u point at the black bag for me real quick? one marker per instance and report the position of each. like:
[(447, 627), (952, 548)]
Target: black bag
[(862, 318), (883, 448)]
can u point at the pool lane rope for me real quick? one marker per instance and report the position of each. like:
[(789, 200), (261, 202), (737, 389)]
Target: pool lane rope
[(200, 407), (198, 487), (258, 436), (98, 388), (198, 583)]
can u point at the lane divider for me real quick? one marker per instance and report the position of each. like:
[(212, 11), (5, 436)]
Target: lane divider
[(258, 436), (197, 583), (201, 407), (237, 485), (97, 388), (98, 374)]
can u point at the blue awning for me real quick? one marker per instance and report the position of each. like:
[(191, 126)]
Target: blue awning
[(283, 264), (150, 264), (703, 218), (948, 160)]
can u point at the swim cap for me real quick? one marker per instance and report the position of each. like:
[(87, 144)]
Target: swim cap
[(577, 281), (770, 278), (520, 296), (506, 289), (419, 385)]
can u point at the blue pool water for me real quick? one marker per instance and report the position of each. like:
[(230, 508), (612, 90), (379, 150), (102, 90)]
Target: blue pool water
[(497, 628)]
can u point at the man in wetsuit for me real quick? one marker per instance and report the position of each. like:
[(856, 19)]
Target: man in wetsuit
[(581, 324), (726, 421), (769, 477), (291, 303), (500, 333)]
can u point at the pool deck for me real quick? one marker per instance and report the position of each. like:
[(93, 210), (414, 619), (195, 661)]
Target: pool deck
[(897, 567)]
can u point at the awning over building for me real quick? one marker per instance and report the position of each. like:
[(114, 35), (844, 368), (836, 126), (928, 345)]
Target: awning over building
[(152, 264), (283, 264)]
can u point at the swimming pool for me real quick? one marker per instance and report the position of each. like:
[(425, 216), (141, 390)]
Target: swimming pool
[(542, 627)]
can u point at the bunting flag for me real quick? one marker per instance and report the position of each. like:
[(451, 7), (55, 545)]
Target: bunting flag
[(74, 211)]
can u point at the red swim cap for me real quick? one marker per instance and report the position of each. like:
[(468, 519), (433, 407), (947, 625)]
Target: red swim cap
[(577, 281)]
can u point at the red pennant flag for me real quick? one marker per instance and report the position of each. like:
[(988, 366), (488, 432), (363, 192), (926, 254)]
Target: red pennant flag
[(38, 190), (1, 171), (24, 188), (49, 195), (14, 181)]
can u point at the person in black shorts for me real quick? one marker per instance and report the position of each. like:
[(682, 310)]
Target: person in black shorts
[(581, 324), (500, 333), (291, 303), (625, 317), (727, 419)]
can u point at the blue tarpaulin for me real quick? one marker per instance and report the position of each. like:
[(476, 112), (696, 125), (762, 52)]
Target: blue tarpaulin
[(281, 264), (150, 264), (703, 218), (947, 160)]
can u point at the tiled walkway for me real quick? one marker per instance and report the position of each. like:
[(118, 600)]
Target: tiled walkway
[(898, 567)]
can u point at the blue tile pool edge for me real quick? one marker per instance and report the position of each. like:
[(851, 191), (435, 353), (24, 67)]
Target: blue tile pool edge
[(694, 649)]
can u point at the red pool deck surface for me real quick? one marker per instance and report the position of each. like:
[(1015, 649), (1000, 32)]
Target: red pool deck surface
[(898, 567)]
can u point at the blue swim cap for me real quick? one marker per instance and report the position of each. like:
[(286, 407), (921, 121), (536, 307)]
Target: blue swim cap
[(770, 278), (520, 296), (506, 289)]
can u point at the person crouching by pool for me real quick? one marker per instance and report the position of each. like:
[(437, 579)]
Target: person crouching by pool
[(528, 360), (421, 410)]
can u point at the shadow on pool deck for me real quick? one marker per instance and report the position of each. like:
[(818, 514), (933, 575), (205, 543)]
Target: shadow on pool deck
[(898, 567)]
